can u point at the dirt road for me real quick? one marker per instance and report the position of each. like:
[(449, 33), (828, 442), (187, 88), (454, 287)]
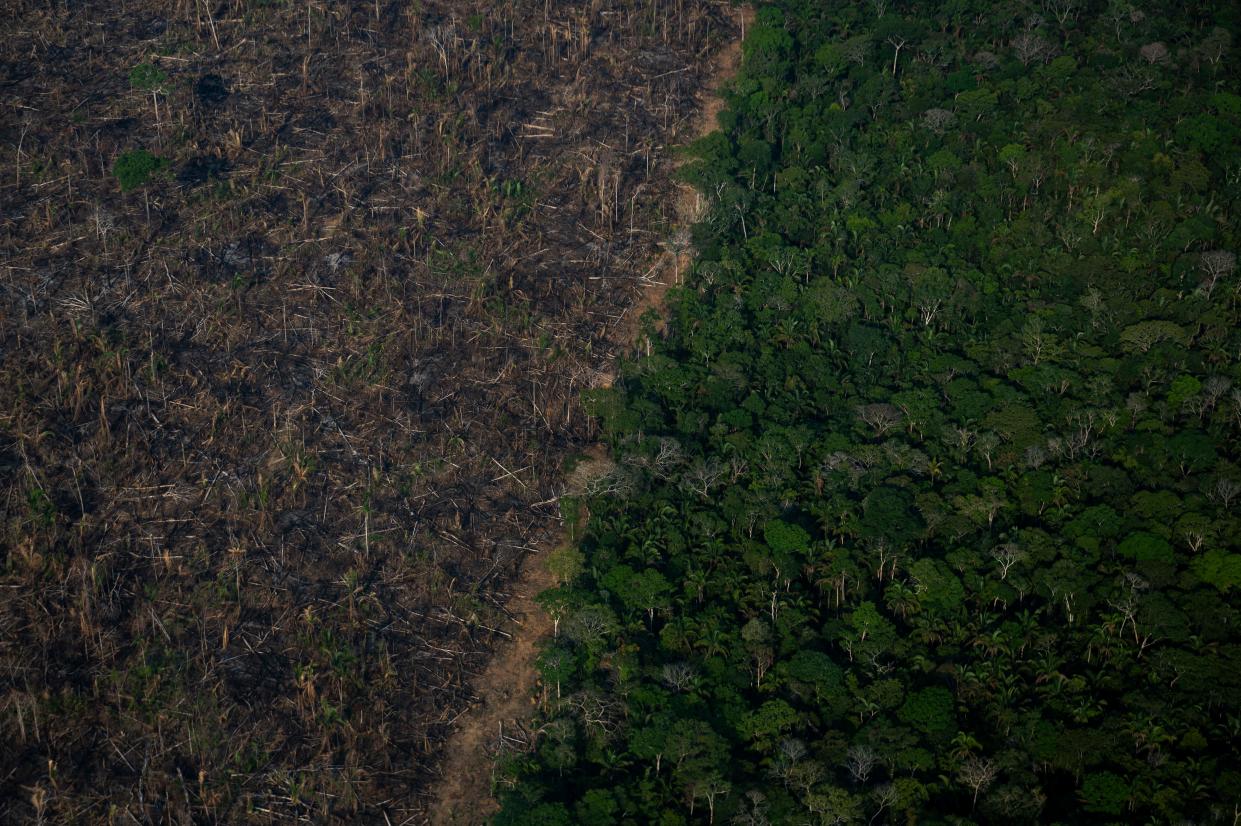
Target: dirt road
[(507, 687)]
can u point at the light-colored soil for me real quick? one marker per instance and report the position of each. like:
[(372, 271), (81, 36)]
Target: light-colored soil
[(506, 694), (506, 689), (689, 205)]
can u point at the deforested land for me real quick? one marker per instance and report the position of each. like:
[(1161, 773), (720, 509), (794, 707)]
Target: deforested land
[(297, 304)]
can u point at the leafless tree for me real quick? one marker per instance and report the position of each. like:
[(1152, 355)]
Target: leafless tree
[(1214, 390), (1127, 609), (977, 774), (105, 222), (667, 458), (709, 788), (842, 95), (986, 445), (1135, 582), (1029, 46), (855, 50), (1134, 80), (762, 657), (1069, 236), (896, 42), (792, 749), (1195, 533), (1154, 53), (753, 810), (886, 558), (616, 482), (589, 625), (860, 761), (1094, 304), (596, 711), (1216, 264), (928, 309), (1006, 556), (677, 247), (442, 39), (702, 476), (881, 417), (1225, 490), (960, 439), (1062, 10), (737, 467), (987, 61), (939, 120), (884, 796), (678, 676), (1082, 437), (981, 508)]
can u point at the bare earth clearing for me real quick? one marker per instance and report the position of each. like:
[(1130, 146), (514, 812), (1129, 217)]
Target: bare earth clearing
[(506, 689)]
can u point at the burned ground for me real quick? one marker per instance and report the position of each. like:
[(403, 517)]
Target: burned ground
[(279, 423)]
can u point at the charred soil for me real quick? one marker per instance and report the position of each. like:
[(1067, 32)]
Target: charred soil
[(297, 303)]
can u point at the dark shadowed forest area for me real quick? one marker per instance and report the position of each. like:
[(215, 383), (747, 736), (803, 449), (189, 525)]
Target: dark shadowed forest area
[(297, 302), (925, 500)]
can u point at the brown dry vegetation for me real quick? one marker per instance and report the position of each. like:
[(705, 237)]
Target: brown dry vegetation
[(278, 429)]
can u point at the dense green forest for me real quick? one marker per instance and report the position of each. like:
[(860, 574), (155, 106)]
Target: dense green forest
[(925, 498)]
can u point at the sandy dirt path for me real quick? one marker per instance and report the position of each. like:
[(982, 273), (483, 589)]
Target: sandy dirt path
[(506, 688)]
